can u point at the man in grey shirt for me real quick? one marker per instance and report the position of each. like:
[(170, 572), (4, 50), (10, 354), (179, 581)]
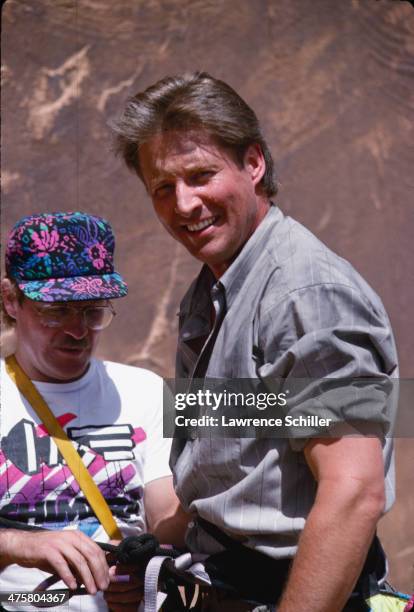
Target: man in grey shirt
[(271, 302)]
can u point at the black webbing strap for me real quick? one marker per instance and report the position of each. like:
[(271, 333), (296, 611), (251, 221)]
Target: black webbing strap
[(243, 572), (217, 534), (257, 576), (132, 550)]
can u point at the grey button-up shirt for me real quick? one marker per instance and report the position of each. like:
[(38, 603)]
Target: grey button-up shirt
[(287, 307)]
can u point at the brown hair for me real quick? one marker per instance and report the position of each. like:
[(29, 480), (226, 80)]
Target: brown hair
[(186, 102), (7, 320)]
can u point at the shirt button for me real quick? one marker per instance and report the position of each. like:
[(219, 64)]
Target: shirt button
[(191, 524)]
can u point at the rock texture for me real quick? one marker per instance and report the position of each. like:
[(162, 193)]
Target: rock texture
[(333, 85)]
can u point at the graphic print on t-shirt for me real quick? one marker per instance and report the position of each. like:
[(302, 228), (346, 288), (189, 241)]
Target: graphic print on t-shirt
[(37, 486)]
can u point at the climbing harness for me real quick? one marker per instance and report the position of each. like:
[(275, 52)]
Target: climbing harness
[(165, 569)]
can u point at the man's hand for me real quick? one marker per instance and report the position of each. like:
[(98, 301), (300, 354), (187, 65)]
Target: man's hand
[(125, 591), (340, 526), (71, 555)]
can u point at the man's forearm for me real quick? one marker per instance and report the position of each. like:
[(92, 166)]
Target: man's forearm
[(165, 517), (4, 556), (331, 552)]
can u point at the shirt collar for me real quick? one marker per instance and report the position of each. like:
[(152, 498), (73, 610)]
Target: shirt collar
[(235, 276)]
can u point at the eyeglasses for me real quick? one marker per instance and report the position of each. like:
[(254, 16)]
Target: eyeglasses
[(95, 317)]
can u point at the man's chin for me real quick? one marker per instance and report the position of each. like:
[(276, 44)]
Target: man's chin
[(216, 257), (70, 365)]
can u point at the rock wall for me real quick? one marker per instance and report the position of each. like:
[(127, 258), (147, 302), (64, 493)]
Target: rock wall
[(333, 85)]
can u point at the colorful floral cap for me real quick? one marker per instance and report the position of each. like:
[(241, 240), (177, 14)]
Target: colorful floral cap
[(64, 256)]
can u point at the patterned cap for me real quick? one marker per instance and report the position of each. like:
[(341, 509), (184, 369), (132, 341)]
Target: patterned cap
[(64, 256)]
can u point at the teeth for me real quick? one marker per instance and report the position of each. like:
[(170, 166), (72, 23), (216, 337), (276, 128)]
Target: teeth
[(196, 227)]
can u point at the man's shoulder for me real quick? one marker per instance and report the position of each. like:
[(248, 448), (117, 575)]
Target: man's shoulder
[(126, 373), (4, 376), (299, 260), (295, 248)]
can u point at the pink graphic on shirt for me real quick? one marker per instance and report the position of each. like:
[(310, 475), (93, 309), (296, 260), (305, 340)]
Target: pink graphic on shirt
[(63, 420), (35, 482), (139, 435)]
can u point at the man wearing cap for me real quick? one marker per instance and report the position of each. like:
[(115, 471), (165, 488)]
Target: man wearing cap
[(57, 294), (274, 304)]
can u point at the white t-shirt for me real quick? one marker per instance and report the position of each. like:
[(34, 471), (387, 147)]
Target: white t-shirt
[(114, 413)]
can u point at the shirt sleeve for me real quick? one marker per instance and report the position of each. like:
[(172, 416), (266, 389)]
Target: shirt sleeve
[(324, 332)]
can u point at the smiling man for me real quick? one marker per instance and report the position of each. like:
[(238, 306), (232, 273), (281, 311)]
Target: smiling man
[(271, 303), (215, 225), (57, 296)]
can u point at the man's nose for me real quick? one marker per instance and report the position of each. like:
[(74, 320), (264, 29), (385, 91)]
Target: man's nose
[(76, 326), (186, 200)]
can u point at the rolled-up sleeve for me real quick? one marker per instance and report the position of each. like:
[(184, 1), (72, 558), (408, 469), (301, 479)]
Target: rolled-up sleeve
[(324, 332)]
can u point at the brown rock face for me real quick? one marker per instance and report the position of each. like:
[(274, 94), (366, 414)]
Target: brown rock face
[(333, 85)]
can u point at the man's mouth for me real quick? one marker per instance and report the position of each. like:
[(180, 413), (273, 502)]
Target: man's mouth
[(72, 349), (197, 227)]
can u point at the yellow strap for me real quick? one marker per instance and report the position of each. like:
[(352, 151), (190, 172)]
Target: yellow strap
[(65, 446)]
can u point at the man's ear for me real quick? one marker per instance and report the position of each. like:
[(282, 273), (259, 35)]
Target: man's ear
[(254, 162), (8, 295)]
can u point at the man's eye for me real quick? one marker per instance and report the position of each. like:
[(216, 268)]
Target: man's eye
[(163, 190), (56, 312), (202, 176)]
